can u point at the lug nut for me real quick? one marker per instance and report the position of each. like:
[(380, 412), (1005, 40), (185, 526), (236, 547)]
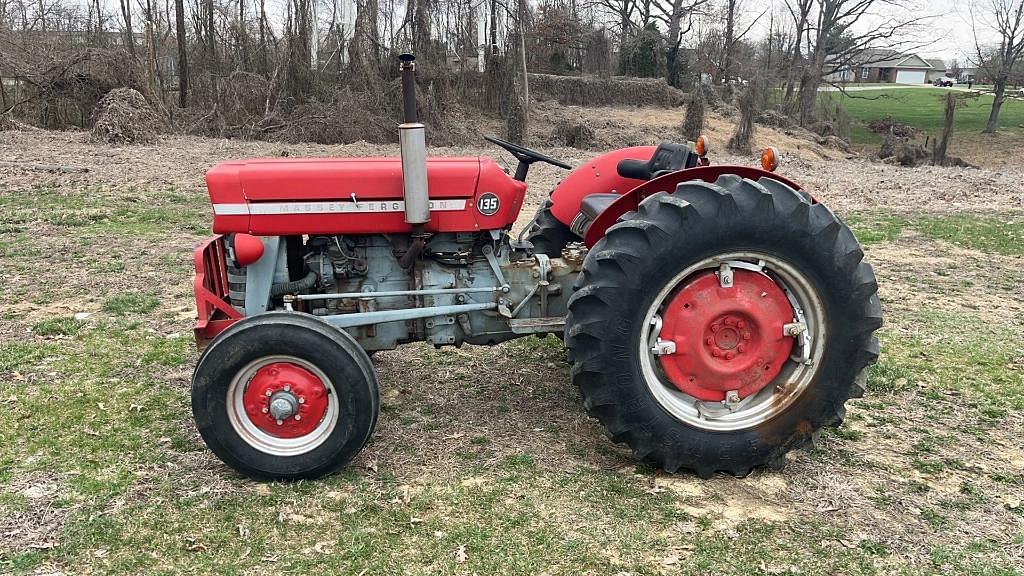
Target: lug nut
[(269, 393), (298, 417), (287, 387), (302, 399), (279, 422), (730, 355), (265, 410)]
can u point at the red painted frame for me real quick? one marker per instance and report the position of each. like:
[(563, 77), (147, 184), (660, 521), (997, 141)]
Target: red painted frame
[(667, 183), (214, 311)]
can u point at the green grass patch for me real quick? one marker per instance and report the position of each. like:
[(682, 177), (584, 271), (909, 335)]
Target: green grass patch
[(97, 211), (939, 356), (130, 303), (874, 228), (923, 108), (999, 234), (62, 326)]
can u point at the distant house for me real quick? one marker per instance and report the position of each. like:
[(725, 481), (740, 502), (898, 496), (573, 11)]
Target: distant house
[(888, 66), (938, 70), (976, 75)]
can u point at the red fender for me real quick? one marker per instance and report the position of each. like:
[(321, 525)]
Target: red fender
[(667, 183), (597, 175)]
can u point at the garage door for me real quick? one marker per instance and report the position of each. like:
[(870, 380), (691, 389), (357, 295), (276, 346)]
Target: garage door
[(910, 76)]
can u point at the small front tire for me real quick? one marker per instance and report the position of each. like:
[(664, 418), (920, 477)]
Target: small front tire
[(284, 396)]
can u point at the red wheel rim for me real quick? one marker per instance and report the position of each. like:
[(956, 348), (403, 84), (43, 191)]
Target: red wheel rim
[(285, 400), (726, 338)]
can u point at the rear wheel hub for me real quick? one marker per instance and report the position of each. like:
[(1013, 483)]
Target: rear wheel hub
[(729, 337)]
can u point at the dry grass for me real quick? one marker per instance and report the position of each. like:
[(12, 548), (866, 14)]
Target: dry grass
[(483, 461)]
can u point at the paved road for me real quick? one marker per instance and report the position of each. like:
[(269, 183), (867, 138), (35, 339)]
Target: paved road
[(886, 86)]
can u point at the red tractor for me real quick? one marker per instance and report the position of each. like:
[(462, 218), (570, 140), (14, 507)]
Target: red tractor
[(715, 316)]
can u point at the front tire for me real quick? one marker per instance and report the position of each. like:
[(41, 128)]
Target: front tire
[(284, 396), (695, 372)]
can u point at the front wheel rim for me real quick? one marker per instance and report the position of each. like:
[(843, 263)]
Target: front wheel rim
[(245, 420), (793, 379)]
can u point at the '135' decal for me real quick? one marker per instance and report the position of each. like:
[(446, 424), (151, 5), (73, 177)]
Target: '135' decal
[(488, 204)]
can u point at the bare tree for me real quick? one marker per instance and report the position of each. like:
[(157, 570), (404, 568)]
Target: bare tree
[(179, 21), (673, 13), (833, 45), (129, 31), (1004, 19)]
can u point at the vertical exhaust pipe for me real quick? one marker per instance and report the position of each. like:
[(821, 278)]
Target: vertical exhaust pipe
[(413, 143)]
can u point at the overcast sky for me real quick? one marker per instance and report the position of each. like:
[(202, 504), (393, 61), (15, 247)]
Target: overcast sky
[(949, 33)]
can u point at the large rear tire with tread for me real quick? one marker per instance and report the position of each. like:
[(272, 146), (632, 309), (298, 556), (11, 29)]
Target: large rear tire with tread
[(284, 396), (548, 234), (674, 245)]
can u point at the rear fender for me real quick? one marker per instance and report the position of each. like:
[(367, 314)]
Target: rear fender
[(629, 201), (597, 176)]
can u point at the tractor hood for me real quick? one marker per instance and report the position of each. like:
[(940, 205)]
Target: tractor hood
[(353, 195)]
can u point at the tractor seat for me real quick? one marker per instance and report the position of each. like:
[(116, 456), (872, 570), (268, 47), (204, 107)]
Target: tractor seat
[(590, 207)]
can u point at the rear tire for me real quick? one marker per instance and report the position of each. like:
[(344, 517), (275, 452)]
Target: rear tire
[(643, 261), (322, 375), (547, 233)]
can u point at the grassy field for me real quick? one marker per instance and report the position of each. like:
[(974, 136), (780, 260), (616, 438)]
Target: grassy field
[(483, 461), (923, 108)]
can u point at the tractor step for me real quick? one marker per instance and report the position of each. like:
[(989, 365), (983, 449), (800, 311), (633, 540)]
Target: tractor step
[(537, 325)]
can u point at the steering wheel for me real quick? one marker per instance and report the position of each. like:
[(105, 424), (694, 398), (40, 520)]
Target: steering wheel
[(526, 157)]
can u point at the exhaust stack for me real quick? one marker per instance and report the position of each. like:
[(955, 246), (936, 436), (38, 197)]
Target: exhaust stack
[(413, 143)]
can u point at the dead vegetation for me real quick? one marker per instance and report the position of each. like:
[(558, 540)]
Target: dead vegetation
[(597, 91), (123, 116)]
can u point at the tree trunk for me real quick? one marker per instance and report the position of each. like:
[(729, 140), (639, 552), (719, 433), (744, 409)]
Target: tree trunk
[(809, 82), (674, 41), (730, 32), (243, 39), (129, 34), (211, 37), (939, 153), (997, 104), (179, 20), (421, 28), (263, 49), (523, 13)]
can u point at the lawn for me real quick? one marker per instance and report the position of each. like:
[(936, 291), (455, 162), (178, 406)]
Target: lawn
[(923, 108), (483, 461)]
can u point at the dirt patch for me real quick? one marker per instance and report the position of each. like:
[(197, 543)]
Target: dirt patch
[(38, 522), (919, 273)]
